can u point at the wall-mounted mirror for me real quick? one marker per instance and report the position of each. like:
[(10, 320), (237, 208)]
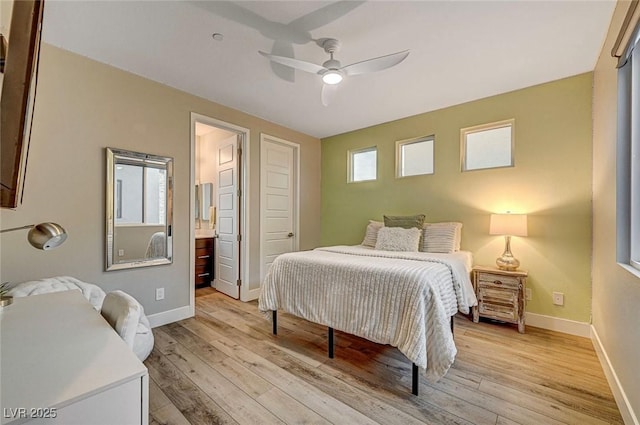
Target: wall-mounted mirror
[(204, 206), (139, 210), (206, 200)]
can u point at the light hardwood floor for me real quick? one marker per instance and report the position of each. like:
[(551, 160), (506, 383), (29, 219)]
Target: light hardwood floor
[(224, 367)]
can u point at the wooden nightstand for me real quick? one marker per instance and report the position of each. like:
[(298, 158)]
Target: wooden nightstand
[(500, 295)]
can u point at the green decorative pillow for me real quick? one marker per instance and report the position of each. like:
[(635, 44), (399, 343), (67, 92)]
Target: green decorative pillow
[(404, 221)]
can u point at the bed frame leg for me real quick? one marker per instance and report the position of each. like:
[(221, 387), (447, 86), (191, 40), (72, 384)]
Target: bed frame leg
[(414, 379), (452, 325), (275, 322), (330, 343)]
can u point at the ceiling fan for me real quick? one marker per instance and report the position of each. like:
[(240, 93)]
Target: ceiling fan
[(332, 71)]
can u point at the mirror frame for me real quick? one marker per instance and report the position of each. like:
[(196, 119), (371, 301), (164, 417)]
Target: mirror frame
[(120, 156)]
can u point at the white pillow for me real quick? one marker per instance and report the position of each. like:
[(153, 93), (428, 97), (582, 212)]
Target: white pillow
[(92, 292), (122, 311), (441, 237), (143, 342), (371, 234), (398, 239)]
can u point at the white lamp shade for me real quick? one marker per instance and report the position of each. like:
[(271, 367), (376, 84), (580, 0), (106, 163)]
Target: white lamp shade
[(508, 224)]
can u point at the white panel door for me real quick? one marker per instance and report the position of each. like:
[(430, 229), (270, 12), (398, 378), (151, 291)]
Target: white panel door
[(278, 188), (227, 255)]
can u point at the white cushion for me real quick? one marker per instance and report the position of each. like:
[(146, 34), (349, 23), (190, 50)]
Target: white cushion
[(143, 343), (398, 239), (441, 237), (371, 234), (122, 311)]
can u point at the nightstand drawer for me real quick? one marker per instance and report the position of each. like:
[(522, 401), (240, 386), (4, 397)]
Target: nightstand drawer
[(500, 295), (497, 311), (490, 279)]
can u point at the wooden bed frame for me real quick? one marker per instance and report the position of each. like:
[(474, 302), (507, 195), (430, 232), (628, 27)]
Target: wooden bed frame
[(331, 345)]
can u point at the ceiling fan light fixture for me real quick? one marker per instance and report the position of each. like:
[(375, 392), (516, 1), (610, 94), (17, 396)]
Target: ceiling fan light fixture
[(332, 77)]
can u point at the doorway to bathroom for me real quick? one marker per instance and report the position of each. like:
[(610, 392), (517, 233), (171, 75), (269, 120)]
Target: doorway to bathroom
[(218, 207)]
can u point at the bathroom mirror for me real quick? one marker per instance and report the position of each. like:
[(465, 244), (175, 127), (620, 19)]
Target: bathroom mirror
[(206, 198), (203, 205), (139, 201), (197, 206)]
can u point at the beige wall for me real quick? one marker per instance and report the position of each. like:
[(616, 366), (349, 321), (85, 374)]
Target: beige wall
[(551, 181), (82, 107), (616, 292)]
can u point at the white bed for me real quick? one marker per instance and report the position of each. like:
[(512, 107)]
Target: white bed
[(404, 299)]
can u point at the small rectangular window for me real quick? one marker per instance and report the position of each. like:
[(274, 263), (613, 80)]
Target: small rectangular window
[(363, 164), (414, 157), (634, 158), (487, 145), (628, 153)]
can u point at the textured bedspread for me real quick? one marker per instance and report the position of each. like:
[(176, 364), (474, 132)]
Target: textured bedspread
[(396, 298)]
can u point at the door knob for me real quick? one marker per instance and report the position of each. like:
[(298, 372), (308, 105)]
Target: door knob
[(290, 235)]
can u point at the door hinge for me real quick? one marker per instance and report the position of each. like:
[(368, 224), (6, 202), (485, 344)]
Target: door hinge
[(239, 192), (239, 152), (239, 238), (239, 282)]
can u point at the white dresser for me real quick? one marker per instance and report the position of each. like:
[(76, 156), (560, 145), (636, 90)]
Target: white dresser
[(61, 363)]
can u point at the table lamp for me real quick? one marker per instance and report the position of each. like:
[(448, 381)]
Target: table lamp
[(508, 225), (43, 236)]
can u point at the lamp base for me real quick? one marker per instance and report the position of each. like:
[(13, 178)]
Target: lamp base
[(507, 261)]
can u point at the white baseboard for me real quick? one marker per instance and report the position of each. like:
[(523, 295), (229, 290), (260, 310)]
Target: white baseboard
[(250, 295), (171, 316), (566, 326), (622, 401)]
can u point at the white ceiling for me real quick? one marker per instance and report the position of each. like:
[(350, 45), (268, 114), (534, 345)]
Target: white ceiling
[(460, 51)]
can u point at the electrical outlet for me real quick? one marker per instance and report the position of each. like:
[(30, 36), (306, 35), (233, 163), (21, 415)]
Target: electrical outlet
[(121, 253), (558, 298), (528, 294), (159, 294)]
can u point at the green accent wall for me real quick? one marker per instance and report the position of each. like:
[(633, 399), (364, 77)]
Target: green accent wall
[(551, 182)]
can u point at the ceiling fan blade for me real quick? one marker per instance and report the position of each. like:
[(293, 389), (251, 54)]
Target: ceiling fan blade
[(285, 49), (328, 93), (376, 64), (295, 63)]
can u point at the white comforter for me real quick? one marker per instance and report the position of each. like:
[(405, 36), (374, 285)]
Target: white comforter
[(91, 292), (403, 299)]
